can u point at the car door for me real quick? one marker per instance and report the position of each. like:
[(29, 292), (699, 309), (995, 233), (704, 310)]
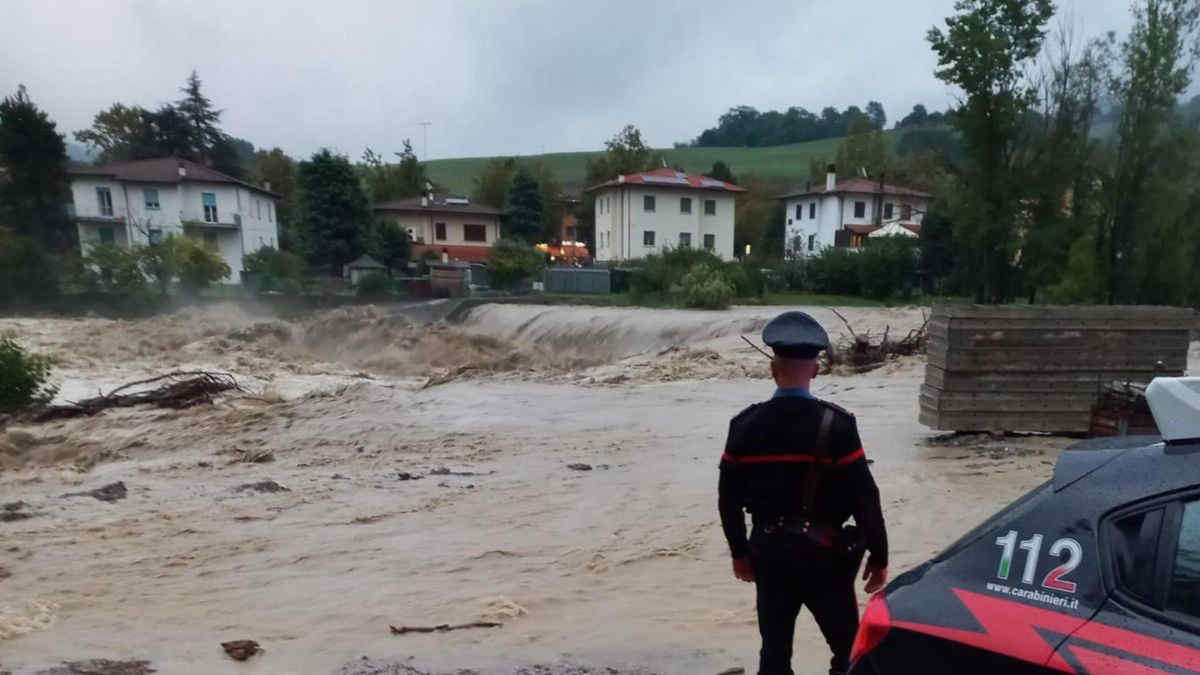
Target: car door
[(1150, 622)]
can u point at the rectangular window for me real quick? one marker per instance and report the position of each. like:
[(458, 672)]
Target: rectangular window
[(258, 209), (685, 204), (1184, 593), (209, 200), (154, 235), (799, 211), (710, 207), (608, 205), (104, 198), (474, 232), (151, 197), (710, 242), (887, 211), (812, 210), (648, 238), (270, 212), (812, 241), (685, 240), (107, 236), (648, 203), (439, 231), (905, 212), (860, 209), (210, 241)]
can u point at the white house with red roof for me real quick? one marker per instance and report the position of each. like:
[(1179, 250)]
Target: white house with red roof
[(846, 212), (643, 213)]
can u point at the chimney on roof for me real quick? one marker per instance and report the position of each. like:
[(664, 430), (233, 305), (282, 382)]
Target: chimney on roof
[(267, 185), (830, 178), (182, 170)]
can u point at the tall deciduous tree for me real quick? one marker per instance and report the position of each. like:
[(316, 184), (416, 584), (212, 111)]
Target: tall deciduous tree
[(33, 191), (864, 149), (984, 51), (876, 113), (1158, 56), (384, 181), (491, 185), (333, 210), (1062, 171)]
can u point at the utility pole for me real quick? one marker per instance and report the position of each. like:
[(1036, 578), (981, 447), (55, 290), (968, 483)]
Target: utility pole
[(424, 139)]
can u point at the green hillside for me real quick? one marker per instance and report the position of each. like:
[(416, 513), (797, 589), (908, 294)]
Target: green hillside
[(788, 162)]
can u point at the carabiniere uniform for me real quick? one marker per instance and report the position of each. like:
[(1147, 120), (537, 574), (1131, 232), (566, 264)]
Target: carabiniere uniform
[(796, 464)]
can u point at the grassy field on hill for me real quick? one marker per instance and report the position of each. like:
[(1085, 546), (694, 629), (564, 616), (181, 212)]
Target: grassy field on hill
[(786, 162)]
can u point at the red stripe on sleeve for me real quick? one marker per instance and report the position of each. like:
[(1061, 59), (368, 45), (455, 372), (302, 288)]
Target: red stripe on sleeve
[(853, 457)]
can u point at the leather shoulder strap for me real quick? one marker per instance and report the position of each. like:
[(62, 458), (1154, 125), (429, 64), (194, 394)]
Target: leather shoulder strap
[(820, 453)]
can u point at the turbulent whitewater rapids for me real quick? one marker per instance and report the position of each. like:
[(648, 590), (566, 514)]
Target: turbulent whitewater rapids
[(425, 474)]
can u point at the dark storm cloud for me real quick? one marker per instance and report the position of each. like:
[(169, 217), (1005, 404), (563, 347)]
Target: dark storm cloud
[(492, 77)]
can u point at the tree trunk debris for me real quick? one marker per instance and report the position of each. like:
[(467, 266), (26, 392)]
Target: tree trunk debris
[(443, 628), (858, 353), (180, 389)]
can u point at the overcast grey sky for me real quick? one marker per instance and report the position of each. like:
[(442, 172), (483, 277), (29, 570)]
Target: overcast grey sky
[(493, 77)]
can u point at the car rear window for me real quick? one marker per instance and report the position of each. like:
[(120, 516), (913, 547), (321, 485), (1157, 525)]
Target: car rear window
[(1013, 510), (1184, 595), (1135, 552)]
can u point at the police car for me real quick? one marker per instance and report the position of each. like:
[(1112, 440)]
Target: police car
[(1095, 571)]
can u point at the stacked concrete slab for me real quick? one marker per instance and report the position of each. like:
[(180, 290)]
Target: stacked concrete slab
[(1042, 368)]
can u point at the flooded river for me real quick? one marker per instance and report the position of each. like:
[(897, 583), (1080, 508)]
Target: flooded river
[(552, 469)]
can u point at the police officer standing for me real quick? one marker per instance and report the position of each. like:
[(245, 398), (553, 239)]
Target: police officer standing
[(797, 465)]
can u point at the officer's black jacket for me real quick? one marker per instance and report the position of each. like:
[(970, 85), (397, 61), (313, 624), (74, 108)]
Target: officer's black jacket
[(767, 456)]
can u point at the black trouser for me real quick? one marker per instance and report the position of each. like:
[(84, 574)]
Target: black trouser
[(791, 573)]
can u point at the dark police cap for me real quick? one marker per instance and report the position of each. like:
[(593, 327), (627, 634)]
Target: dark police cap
[(795, 335)]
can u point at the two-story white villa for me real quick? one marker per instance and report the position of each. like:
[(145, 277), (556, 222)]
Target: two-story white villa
[(134, 203), (643, 213), (843, 213)]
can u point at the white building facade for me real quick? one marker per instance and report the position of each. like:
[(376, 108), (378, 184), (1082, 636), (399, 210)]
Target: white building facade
[(134, 203), (843, 213), (646, 213)]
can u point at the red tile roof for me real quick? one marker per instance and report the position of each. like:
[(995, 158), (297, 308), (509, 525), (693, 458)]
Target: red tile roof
[(861, 186), (669, 178), (467, 253), (161, 170)]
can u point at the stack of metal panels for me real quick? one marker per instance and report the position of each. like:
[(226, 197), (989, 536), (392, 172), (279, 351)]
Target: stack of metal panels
[(1042, 368)]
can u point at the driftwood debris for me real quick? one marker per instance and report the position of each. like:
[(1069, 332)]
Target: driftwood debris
[(180, 389), (443, 628), (862, 353)]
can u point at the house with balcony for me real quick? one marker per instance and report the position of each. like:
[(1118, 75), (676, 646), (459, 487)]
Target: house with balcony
[(138, 202), (643, 213), (452, 228), (845, 213)]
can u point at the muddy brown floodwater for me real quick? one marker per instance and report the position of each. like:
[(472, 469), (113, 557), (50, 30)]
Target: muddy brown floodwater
[(421, 474)]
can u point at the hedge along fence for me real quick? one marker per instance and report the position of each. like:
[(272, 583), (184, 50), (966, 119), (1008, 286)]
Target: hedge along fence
[(695, 278), (886, 267)]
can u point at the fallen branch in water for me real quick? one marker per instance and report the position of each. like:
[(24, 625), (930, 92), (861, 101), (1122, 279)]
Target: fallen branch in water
[(443, 628), (858, 353), (181, 389)]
